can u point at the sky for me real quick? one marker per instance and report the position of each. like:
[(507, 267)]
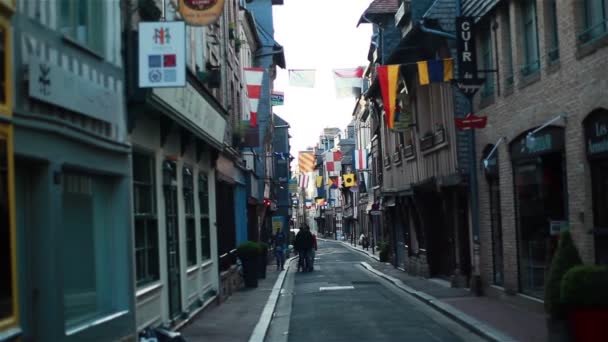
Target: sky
[(321, 35)]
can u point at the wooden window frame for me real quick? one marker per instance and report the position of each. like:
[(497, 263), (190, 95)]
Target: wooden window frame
[(6, 107), (6, 132)]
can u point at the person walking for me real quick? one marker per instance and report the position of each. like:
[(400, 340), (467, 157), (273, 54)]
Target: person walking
[(304, 245), (279, 249)]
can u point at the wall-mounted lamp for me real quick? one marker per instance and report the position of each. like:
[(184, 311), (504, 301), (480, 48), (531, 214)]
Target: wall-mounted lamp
[(531, 140)]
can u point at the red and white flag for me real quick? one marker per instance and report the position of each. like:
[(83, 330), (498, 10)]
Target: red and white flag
[(253, 79), (346, 80), (333, 161), (361, 159)]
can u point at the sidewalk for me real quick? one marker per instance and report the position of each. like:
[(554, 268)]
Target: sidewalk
[(236, 319), (495, 319)]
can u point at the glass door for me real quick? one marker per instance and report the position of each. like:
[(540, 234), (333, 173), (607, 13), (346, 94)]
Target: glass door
[(540, 199)]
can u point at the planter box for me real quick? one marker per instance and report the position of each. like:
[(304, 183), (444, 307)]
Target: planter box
[(408, 151), (426, 142), (250, 271), (439, 137)]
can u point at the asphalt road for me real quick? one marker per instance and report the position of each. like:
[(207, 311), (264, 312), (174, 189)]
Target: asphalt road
[(341, 301)]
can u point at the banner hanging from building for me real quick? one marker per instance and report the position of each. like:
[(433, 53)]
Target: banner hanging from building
[(253, 79), (435, 71), (319, 181), (348, 82), (162, 54), (360, 159), (388, 76), (306, 161), (349, 180), (200, 12), (302, 78), (465, 44), (277, 98)]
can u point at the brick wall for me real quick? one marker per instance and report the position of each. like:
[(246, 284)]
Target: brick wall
[(575, 85)]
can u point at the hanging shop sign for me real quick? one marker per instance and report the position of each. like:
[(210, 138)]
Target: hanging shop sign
[(465, 43), (548, 140), (277, 98), (200, 12), (471, 121), (596, 134), (162, 54)]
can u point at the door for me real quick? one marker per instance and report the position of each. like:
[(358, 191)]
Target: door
[(173, 262), (599, 174)]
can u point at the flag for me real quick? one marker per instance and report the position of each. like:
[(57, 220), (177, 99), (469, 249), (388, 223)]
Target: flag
[(253, 78), (319, 181), (388, 75), (302, 78), (362, 186), (308, 203), (349, 180), (333, 160), (360, 159), (320, 201), (303, 181), (306, 161), (432, 71), (346, 80), (333, 182), (277, 98)]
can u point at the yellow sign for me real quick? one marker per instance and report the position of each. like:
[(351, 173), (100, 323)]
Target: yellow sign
[(349, 180), (200, 12)]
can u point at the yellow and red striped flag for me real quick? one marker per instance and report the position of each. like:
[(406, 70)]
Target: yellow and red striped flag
[(388, 75)]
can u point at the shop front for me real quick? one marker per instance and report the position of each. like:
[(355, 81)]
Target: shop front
[(596, 139), (490, 170), (540, 202)]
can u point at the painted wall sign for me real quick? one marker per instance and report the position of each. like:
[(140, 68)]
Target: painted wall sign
[(548, 140), (596, 134), (162, 54), (194, 108), (200, 12), (55, 85)]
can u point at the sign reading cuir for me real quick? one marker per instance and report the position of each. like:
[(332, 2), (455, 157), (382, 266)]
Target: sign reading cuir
[(200, 12)]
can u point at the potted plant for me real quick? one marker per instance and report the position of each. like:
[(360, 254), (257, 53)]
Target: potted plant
[(584, 297), (384, 249), (566, 256), (263, 260), (249, 253)]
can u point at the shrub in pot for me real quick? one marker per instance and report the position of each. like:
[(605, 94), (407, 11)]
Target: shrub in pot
[(584, 296), (249, 253), (383, 248), (263, 260), (566, 256)]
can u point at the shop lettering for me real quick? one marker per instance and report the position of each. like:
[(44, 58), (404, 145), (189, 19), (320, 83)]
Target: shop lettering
[(541, 144), (465, 35), (598, 147), (600, 130), (597, 141)]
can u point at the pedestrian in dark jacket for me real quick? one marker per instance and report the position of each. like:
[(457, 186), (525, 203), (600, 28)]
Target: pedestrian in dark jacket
[(304, 244)]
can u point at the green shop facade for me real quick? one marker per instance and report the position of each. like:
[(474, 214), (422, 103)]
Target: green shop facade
[(72, 173)]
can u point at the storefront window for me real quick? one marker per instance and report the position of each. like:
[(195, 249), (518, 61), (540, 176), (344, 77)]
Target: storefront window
[(540, 204), (203, 200), (6, 251), (596, 141), (88, 272), (189, 211), (146, 224)]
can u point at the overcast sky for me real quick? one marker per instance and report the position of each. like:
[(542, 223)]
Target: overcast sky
[(321, 35)]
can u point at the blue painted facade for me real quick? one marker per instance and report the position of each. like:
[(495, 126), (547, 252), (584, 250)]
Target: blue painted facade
[(282, 174)]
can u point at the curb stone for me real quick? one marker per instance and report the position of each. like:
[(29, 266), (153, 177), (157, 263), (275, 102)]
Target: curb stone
[(476, 326), (261, 328)]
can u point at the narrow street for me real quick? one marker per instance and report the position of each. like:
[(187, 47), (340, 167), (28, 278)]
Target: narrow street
[(341, 301)]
